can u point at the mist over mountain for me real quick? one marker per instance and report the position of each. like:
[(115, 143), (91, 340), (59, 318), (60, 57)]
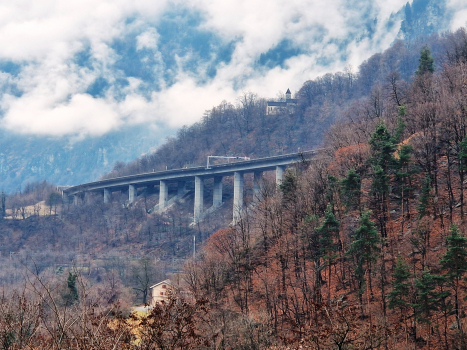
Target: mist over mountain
[(29, 158), (422, 17), (81, 90)]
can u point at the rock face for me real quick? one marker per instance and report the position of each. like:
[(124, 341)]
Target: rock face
[(61, 161), (423, 17)]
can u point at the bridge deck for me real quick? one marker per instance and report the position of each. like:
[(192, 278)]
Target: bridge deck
[(145, 179)]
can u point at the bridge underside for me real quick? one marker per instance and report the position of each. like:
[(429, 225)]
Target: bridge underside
[(163, 179), (162, 187)]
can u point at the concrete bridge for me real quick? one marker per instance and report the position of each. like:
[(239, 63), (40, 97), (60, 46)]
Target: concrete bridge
[(198, 174)]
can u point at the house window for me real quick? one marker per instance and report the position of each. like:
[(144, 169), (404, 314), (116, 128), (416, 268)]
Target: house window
[(162, 293), (164, 286)]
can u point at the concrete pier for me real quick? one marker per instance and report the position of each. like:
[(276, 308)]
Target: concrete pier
[(131, 193), (87, 197), (181, 176), (238, 196), (163, 194), (199, 198), (280, 169), (217, 192), (181, 188), (257, 177), (106, 195)]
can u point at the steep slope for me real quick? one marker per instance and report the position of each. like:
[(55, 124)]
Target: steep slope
[(366, 247), (244, 128), (146, 60)]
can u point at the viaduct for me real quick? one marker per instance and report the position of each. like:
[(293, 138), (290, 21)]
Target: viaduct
[(198, 174)]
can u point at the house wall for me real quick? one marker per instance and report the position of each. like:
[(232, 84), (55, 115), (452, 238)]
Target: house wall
[(160, 293)]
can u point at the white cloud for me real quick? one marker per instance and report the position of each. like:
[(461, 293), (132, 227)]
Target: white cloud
[(81, 115), (147, 40), (44, 37), (459, 7)]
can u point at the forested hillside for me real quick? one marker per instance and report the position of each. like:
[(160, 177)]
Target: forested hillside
[(366, 246), (362, 248), (242, 128), (39, 144)]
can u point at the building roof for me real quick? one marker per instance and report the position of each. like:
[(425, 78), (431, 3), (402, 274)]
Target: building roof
[(283, 103), (169, 282), (288, 91), (277, 104)]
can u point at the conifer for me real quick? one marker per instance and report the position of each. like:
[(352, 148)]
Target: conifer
[(426, 62), (428, 298), (328, 233), (398, 297), (454, 262), (350, 189), (366, 246)]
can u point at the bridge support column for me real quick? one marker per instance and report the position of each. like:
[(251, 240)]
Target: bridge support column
[(217, 192), (238, 196), (131, 193), (163, 194), (66, 198), (181, 188), (106, 195), (280, 169), (258, 175), (199, 198)]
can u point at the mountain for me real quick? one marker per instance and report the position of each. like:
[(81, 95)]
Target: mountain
[(247, 129), (424, 17), (25, 159), (74, 105), (364, 247)]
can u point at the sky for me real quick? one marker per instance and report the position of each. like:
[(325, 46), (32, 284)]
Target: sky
[(85, 68)]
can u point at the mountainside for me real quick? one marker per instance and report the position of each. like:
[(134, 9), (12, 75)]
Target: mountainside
[(364, 247), (26, 159), (244, 128), (141, 83), (423, 17)]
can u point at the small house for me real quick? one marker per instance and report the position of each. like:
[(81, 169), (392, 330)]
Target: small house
[(161, 291), (289, 104)]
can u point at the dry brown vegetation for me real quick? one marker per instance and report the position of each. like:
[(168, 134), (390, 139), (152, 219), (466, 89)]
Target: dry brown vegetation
[(363, 248)]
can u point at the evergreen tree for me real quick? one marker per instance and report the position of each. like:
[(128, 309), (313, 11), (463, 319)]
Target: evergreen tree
[(404, 154), (72, 296), (428, 298), (427, 61), (350, 189), (288, 185), (403, 176), (380, 184), (402, 111), (383, 146), (366, 246), (328, 232), (398, 297), (399, 132), (454, 262), (333, 188)]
